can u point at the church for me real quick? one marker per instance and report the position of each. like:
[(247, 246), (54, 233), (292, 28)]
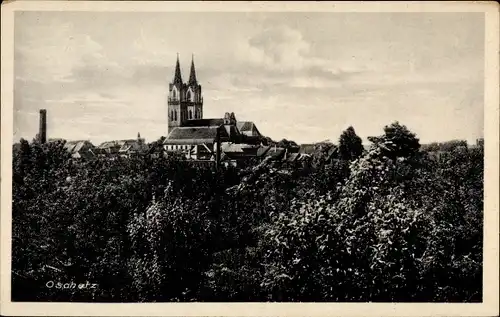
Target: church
[(196, 137)]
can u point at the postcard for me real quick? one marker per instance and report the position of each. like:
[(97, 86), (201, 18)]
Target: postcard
[(250, 158)]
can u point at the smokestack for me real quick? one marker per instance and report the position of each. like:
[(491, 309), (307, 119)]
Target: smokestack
[(217, 150), (42, 134)]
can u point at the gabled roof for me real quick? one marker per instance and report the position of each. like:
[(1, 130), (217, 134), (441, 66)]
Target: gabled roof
[(291, 157), (303, 157), (194, 135), (238, 147), (122, 146), (231, 147), (69, 146), (110, 144), (132, 145), (204, 122), (248, 128), (307, 148), (275, 153), (262, 150), (77, 146)]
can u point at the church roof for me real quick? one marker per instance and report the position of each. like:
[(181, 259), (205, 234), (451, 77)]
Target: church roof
[(204, 122), (248, 128), (194, 135)]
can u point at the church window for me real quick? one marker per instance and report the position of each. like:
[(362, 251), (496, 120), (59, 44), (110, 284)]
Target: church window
[(175, 115), (173, 94), (190, 114)]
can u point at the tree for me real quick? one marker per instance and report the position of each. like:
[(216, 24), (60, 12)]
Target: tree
[(397, 141), (287, 144), (350, 145), (170, 248), (392, 225)]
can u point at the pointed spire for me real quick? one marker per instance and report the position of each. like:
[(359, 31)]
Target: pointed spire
[(192, 74), (177, 76)]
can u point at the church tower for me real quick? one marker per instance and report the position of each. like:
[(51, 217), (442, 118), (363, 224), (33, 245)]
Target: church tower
[(193, 95), (185, 101)]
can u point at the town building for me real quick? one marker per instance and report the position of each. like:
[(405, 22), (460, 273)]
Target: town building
[(80, 149), (123, 148), (196, 137)]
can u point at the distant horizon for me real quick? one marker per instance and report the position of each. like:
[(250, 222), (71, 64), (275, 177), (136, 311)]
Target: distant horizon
[(298, 76), (365, 142)]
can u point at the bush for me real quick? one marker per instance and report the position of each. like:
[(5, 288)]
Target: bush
[(389, 224)]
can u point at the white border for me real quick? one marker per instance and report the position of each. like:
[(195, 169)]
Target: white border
[(489, 307)]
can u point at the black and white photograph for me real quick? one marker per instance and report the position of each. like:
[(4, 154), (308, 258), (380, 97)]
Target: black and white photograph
[(248, 156)]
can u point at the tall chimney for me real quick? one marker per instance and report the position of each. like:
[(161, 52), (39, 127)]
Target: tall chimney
[(43, 126), (217, 149)]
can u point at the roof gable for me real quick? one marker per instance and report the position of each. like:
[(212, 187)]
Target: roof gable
[(194, 135), (77, 146), (248, 128)]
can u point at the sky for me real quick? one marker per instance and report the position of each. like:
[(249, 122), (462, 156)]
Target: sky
[(301, 76)]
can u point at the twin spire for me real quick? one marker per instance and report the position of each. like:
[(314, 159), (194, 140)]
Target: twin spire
[(178, 76)]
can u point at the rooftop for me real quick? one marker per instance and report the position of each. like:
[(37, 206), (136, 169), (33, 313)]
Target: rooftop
[(194, 135)]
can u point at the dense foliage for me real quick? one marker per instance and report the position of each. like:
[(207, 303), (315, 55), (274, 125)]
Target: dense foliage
[(393, 223), (350, 145)]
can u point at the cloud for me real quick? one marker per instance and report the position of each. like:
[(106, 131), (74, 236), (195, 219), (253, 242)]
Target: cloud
[(280, 48), (279, 55), (302, 76)]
